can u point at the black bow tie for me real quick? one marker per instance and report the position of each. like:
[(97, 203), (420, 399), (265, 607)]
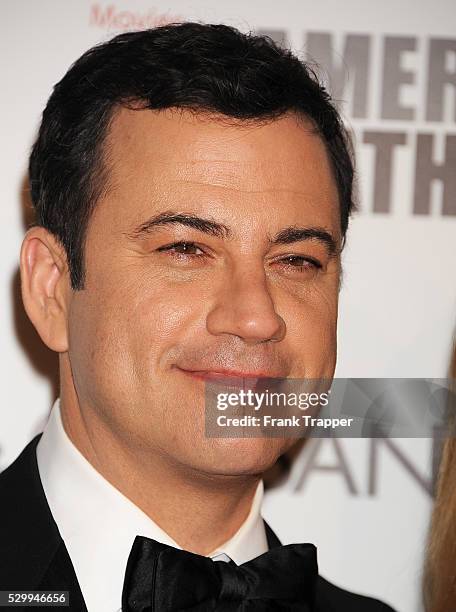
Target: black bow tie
[(162, 578)]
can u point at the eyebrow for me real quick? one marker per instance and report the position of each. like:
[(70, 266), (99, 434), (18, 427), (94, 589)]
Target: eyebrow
[(208, 226), (299, 234), (287, 235)]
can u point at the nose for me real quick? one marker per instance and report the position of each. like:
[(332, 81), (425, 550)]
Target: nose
[(245, 308)]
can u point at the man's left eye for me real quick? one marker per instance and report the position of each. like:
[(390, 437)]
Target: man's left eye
[(300, 262)]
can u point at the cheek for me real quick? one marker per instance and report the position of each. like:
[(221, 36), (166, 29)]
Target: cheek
[(162, 320), (123, 325), (99, 354), (312, 332)]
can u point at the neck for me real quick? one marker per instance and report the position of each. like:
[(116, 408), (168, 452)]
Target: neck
[(198, 511)]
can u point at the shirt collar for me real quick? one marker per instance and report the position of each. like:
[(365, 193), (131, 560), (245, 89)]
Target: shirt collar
[(98, 523)]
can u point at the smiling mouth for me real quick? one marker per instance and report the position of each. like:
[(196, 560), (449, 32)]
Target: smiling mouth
[(233, 378)]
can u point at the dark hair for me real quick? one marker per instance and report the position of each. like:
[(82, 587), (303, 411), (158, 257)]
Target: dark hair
[(194, 66)]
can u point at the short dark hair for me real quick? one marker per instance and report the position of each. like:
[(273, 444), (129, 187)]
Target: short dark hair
[(202, 67)]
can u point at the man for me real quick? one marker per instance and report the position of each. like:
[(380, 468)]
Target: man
[(192, 187)]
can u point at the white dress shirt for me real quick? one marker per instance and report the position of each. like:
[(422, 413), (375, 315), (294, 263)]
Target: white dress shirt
[(98, 523)]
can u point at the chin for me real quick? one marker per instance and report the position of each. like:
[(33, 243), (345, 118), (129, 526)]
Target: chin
[(244, 456)]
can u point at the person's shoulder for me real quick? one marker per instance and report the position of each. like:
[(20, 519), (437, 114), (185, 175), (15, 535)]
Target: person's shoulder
[(23, 467), (333, 598), (25, 529), (18, 483), (33, 554)]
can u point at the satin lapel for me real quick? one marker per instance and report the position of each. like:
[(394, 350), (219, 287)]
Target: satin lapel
[(272, 539), (30, 542), (273, 542), (60, 576)]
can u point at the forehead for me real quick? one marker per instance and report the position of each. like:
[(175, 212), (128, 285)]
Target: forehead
[(175, 153)]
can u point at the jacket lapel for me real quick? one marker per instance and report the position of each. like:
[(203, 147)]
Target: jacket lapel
[(272, 539)]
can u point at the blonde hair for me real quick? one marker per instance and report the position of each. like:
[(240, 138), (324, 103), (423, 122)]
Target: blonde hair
[(439, 585)]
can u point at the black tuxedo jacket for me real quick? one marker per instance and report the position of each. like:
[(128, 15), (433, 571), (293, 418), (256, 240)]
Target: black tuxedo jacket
[(33, 555)]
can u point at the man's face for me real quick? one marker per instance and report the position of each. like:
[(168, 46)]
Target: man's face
[(199, 265)]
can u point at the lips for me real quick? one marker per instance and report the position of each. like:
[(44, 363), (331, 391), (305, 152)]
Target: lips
[(234, 378)]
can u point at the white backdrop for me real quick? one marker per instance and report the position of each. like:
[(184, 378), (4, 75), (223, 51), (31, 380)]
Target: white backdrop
[(365, 505)]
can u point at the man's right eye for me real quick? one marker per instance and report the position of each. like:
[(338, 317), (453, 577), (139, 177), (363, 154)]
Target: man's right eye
[(183, 248)]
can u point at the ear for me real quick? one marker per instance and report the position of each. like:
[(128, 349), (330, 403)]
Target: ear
[(46, 289)]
